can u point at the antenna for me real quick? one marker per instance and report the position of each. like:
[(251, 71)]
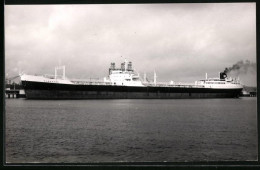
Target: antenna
[(154, 78), (64, 72)]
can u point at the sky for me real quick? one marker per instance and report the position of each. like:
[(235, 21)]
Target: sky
[(180, 42)]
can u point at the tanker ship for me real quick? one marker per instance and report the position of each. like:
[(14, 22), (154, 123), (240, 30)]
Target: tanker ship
[(125, 83)]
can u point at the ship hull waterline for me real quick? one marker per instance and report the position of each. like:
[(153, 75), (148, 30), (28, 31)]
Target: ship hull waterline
[(40, 90)]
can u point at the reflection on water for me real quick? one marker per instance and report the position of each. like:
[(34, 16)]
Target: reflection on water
[(82, 131)]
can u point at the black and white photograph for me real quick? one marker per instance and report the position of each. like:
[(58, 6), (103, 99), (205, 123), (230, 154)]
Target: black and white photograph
[(130, 83)]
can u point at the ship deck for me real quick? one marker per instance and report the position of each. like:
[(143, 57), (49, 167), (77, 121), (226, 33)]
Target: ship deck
[(146, 84)]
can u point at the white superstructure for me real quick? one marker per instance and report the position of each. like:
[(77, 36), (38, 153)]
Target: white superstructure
[(220, 83), (123, 76)]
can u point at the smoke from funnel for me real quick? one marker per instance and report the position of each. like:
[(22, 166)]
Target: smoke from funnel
[(246, 71)]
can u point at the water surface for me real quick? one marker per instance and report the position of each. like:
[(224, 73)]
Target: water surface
[(83, 131)]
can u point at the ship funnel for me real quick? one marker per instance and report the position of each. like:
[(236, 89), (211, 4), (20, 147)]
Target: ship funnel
[(122, 66), (112, 66), (125, 64), (222, 75), (129, 66)]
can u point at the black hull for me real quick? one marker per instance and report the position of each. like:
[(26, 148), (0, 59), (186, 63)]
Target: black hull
[(38, 90)]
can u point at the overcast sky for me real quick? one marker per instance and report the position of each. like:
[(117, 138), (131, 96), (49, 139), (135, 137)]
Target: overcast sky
[(181, 42)]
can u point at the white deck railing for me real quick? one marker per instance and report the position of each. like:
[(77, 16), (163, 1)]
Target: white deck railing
[(161, 84)]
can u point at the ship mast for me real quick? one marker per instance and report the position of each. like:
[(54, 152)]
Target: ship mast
[(154, 78), (63, 71)]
